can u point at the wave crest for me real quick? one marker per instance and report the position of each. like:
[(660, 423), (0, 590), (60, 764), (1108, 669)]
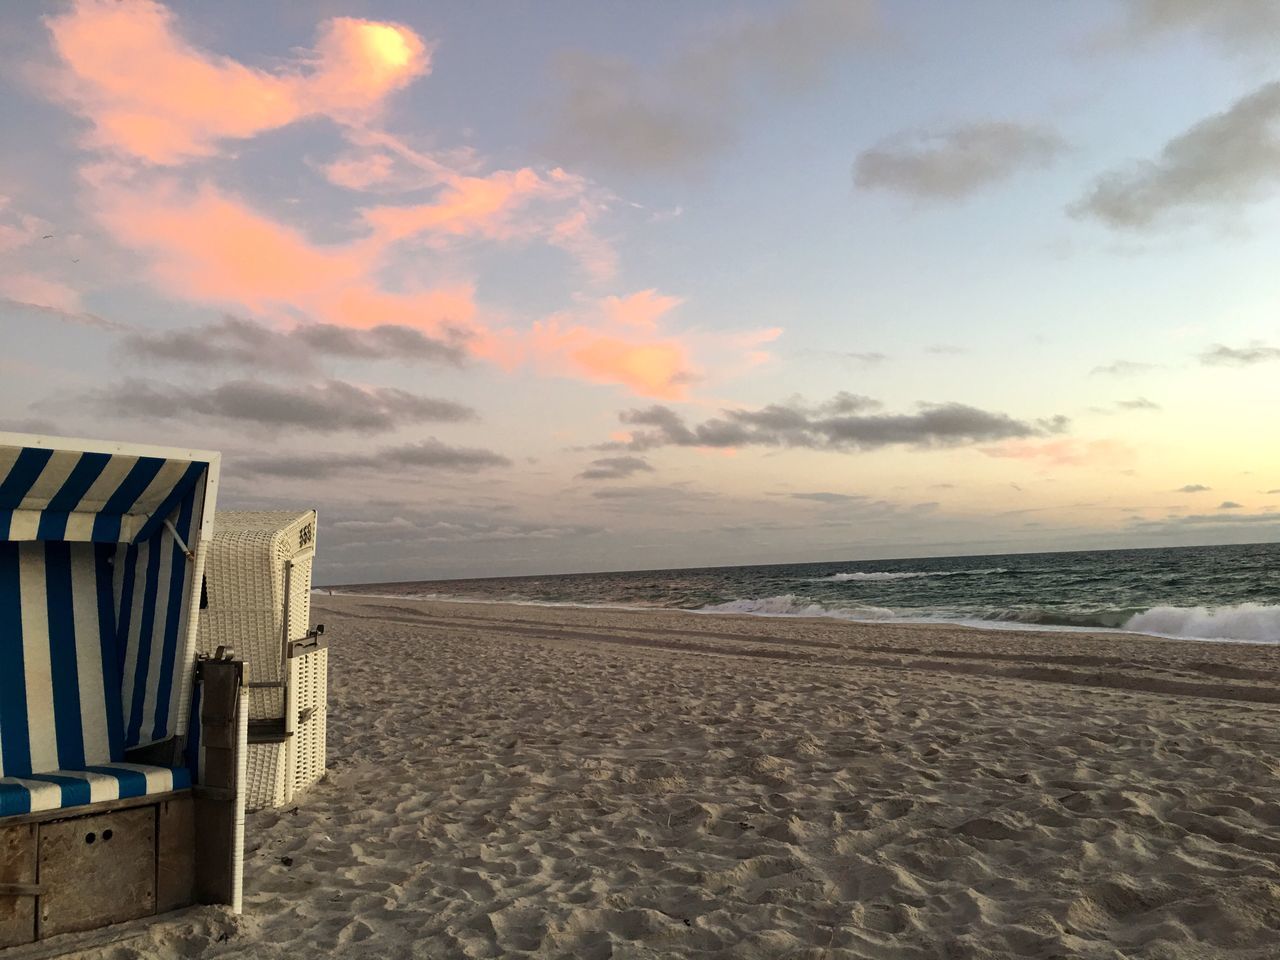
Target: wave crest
[(904, 575), (1245, 622), (789, 605), (1252, 622)]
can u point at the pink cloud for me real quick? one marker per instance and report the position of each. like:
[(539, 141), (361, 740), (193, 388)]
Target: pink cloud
[(40, 291), (639, 311), (1066, 452), (658, 368), (466, 205), (18, 229), (150, 94), (208, 247)]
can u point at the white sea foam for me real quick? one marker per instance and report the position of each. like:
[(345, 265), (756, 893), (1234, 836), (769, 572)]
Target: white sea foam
[(1252, 622), (903, 575), (788, 605)]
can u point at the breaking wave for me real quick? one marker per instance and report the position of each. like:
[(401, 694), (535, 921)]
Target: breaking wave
[(1245, 622), (1254, 622), (789, 605), (904, 575)]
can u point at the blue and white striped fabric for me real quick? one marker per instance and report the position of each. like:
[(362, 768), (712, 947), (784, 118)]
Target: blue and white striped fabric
[(48, 494), (91, 784), (96, 606), (59, 673)]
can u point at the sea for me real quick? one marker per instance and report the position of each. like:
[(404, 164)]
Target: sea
[(1201, 593)]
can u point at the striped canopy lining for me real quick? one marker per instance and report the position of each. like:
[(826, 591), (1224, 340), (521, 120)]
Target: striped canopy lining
[(92, 633), (97, 497)]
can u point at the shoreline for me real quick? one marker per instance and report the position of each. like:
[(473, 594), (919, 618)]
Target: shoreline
[(995, 626)]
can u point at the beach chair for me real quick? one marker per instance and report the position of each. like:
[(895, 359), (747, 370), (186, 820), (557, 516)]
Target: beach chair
[(258, 585), (120, 753)]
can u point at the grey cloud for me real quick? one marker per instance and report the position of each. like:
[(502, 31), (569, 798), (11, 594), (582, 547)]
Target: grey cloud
[(429, 454), (1174, 523), (29, 425), (1234, 24), (1193, 488), (678, 114), (615, 468), (67, 316), (237, 342), (1138, 403), (945, 349), (843, 424), (1230, 505), (1223, 356), (327, 407), (870, 358), (1222, 162), (822, 496), (1122, 368), (955, 162)]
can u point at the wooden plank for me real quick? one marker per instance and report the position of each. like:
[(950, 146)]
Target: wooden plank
[(215, 830), (215, 812), (102, 806), (96, 870), (19, 889), (17, 869), (175, 854)]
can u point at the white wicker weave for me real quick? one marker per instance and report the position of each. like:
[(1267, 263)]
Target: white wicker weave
[(258, 577)]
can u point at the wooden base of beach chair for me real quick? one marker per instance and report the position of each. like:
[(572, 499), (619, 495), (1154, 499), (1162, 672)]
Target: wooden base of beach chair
[(68, 870), (88, 866)]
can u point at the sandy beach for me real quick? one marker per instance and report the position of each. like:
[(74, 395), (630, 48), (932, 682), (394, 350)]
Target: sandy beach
[(555, 782)]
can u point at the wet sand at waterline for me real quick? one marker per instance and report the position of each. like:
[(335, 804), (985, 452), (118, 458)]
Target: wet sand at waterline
[(557, 782)]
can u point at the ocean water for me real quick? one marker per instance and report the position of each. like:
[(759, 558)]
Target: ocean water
[(1207, 593)]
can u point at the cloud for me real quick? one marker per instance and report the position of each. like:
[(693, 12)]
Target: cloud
[(150, 94), (822, 496), (953, 163), (945, 349), (844, 424), (1234, 24), (617, 341), (1175, 523), (202, 244), (1138, 403), (19, 229), (212, 248), (1229, 505), (1066, 452), (237, 342), (676, 115), (429, 454), (329, 407), (1222, 356), (871, 358), (37, 291), (1193, 488), (615, 468), (29, 425), (1122, 368), (1222, 162)]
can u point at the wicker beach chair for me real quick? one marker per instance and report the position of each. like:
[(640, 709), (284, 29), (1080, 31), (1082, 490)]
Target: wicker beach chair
[(109, 810), (258, 586)]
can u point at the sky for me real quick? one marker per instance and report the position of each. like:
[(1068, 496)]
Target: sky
[(507, 288)]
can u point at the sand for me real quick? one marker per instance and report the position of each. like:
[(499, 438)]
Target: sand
[(526, 781)]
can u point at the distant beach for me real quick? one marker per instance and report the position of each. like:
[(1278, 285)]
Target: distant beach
[(511, 781)]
